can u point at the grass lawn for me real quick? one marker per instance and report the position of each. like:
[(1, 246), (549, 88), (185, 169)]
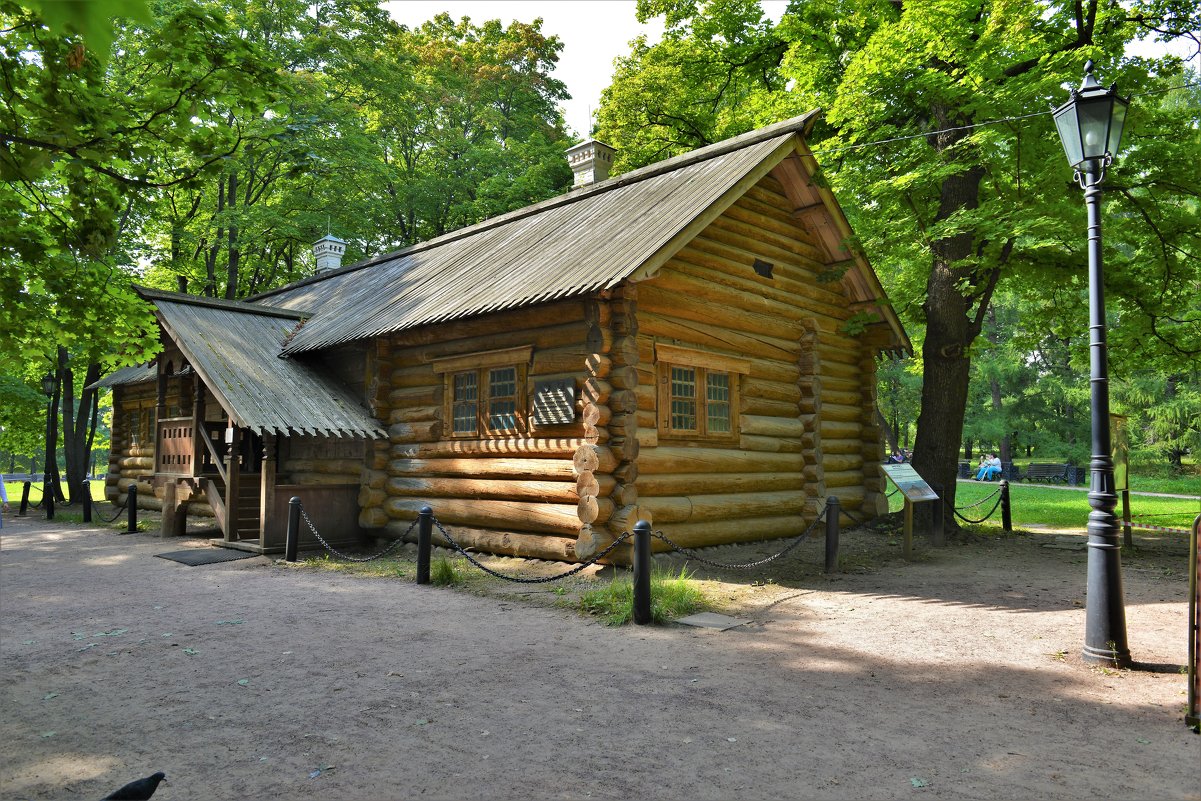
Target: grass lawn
[(1062, 508)]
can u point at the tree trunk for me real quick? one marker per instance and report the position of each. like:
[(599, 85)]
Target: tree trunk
[(78, 424), (890, 432), (952, 290), (995, 388)]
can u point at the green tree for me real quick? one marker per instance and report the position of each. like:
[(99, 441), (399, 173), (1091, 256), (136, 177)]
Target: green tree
[(946, 200)]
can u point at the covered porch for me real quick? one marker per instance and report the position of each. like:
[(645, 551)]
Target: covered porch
[(244, 431)]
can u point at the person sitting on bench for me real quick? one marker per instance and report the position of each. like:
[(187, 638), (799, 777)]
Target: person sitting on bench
[(990, 468)]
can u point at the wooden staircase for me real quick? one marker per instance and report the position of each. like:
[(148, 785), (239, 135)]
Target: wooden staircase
[(243, 522)]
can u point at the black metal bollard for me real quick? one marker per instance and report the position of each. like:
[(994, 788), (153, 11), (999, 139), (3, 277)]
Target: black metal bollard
[(425, 532), (833, 510), (1006, 511), (24, 499), (292, 540), (131, 508), (86, 486), (642, 572)]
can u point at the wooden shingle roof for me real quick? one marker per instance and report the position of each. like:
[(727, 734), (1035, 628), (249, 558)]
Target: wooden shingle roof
[(234, 348), (587, 240)]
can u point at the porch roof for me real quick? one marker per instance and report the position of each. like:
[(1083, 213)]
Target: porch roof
[(234, 348), (138, 374)]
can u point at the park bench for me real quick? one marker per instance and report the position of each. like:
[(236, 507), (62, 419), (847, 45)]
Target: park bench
[(1052, 473)]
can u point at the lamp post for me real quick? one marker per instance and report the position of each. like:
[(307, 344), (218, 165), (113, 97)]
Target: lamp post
[(47, 492), (1090, 127)]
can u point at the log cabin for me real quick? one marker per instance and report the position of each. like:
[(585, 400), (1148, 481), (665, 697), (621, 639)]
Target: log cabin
[(692, 343)]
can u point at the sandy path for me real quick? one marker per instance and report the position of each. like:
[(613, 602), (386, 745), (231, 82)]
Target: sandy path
[(935, 679)]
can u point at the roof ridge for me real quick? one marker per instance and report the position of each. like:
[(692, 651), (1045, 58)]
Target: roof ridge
[(148, 293), (791, 125)]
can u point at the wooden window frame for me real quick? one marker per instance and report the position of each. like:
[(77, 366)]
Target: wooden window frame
[(482, 365), (705, 364)]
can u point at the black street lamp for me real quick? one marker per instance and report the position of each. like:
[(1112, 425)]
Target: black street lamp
[(1090, 125), (47, 491)]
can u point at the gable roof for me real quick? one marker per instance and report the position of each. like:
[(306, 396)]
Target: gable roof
[(584, 241), (234, 348)]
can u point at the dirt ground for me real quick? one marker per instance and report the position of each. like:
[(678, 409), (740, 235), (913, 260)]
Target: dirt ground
[(954, 676)]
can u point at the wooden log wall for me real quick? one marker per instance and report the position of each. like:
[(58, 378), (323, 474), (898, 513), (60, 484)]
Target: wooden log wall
[(607, 465), (131, 452), (803, 421), (320, 460), (525, 494)]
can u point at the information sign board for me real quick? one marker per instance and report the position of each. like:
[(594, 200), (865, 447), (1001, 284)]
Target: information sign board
[(913, 486)]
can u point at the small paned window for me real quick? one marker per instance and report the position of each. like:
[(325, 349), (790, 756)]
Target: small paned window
[(485, 393), (698, 392), (717, 403), (465, 404), (683, 399), (502, 399)]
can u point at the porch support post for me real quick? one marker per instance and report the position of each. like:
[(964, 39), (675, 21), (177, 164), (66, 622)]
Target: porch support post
[(267, 491), (199, 451), (233, 467)]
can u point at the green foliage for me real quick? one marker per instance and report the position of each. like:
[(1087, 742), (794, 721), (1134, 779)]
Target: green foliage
[(672, 596), (955, 182)]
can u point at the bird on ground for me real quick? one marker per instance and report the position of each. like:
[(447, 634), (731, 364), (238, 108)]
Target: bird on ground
[(138, 790)]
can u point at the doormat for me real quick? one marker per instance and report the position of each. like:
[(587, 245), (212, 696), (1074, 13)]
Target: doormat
[(206, 556)]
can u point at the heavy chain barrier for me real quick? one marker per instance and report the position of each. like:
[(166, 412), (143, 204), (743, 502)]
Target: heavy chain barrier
[(42, 492), (116, 514), (391, 547), (691, 554), (525, 580), (980, 502)]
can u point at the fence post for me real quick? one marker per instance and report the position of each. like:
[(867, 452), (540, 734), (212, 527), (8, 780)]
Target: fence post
[(292, 540), (425, 530), (832, 513), (86, 486), (642, 572), (24, 499), (1006, 510), (48, 500), (938, 532), (131, 506)]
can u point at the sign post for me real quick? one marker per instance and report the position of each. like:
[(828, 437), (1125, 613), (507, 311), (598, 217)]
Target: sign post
[(915, 489)]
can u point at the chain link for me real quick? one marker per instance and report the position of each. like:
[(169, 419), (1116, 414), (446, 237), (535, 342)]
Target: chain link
[(116, 514), (691, 554), (520, 579), (395, 543), (982, 501), (991, 512)]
